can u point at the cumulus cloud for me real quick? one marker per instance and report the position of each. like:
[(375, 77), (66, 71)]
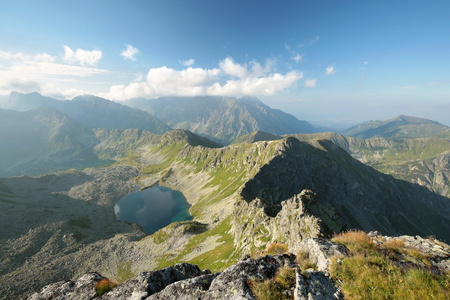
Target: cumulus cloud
[(252, 69), (130, 52), (230, 79), (83, 57), (229, 67), (330, 70), (188, 63), (310, 83)]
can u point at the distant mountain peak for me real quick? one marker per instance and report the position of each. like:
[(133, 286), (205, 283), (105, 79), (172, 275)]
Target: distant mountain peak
[(401, 126)]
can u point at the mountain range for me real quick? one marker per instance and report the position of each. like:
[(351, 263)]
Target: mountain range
[(285, 186), (222, 119)]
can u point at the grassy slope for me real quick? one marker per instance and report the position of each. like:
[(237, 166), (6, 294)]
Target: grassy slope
[(180, 160)]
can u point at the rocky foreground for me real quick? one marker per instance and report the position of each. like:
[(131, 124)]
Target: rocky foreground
[(307, 275)]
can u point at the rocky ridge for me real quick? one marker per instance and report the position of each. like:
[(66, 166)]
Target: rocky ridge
[(187, 281), (424, 161)]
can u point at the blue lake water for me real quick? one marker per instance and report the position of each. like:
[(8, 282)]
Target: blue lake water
[(153, 208)]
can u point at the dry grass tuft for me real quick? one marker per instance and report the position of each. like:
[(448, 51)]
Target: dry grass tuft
[(373, 272), (277, 288)]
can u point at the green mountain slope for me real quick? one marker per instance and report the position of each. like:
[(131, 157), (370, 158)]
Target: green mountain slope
[(222, 119), (399, 127)]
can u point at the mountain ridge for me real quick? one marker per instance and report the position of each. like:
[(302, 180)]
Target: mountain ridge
[(222, 119), (399, 127)]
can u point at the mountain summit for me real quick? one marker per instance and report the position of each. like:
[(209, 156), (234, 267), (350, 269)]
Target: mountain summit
[(399, 127), (222, 119)]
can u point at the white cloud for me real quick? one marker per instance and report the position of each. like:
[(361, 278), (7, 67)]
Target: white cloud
[(231, 79), (297, 57), (310, 83), (229, 67), (188, 63), (44, 57), (253, 69), (255, 86), (330, 70), (39, 72), (365, 62), (83, 57), (130, 52)]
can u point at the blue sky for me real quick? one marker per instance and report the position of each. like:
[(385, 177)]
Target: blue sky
[(324, 61)]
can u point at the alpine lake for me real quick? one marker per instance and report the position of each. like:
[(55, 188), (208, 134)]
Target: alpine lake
[(153, 208)]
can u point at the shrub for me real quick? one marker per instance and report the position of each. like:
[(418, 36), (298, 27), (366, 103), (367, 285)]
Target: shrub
[(104, 286)]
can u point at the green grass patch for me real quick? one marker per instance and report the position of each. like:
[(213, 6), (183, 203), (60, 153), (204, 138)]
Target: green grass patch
[(124, 271), (372, 272), (218, 258)]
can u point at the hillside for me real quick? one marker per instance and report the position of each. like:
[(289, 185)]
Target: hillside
[(424, 161), (399, 127), (90, 111), (243, 198), (222, 119), (43, 140)]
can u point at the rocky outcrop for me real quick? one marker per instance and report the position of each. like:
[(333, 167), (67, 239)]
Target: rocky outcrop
[(149, 283), (320, 252), (300, 217), (349, 193), (309, 281), (436, 252), (82, 288), (186, 281)]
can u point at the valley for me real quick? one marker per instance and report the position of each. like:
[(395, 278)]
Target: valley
[(261, 188)]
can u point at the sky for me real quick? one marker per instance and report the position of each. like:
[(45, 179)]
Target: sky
[(328, 62)]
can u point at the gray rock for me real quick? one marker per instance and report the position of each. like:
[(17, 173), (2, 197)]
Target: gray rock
[(81, 289), (321, 251), (148, 283)]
